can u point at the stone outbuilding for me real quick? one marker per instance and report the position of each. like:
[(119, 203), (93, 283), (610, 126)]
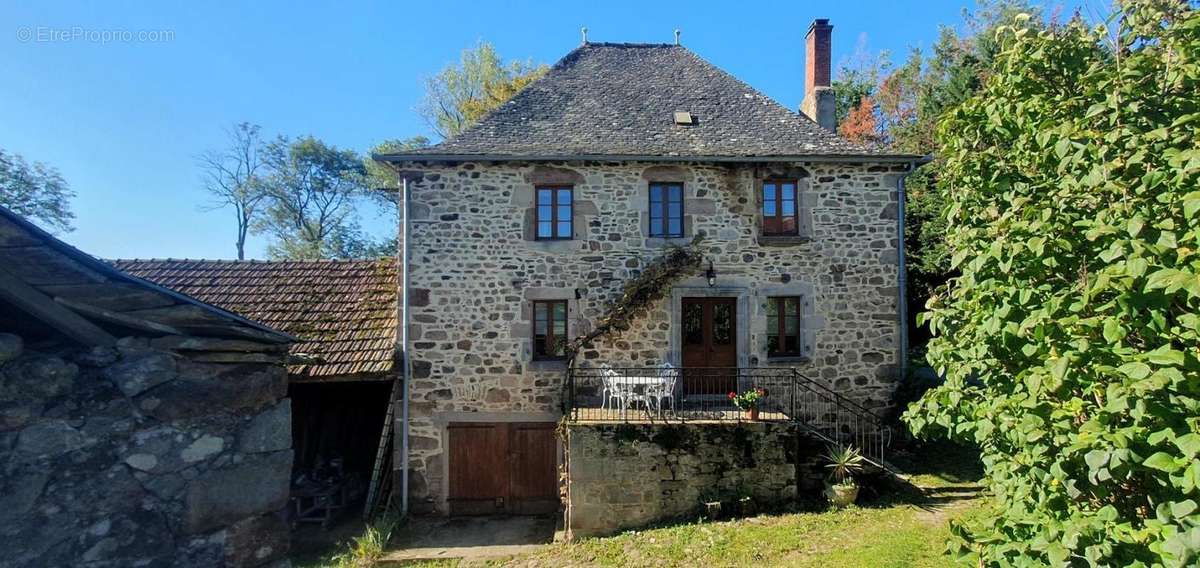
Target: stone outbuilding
[(341, 369), (138, 425)]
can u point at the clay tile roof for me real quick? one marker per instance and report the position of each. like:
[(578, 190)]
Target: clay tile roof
[(344, 312), (611, 100)]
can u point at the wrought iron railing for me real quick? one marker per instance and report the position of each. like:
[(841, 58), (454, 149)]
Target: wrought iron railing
[(638, 394)]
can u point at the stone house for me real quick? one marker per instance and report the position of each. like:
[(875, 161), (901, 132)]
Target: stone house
[(138, 426), (526, 226)]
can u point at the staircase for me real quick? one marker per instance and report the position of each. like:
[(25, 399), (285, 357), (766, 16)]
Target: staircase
[(837, 420)]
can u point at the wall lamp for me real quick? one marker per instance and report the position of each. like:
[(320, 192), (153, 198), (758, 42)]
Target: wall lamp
[(711, 274)]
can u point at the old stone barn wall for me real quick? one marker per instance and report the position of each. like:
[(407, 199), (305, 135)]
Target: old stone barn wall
[(476, 268), (174, 451), (624, 476)]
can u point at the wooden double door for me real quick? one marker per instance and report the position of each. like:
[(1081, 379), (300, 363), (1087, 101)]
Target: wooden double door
[(502, 468), (709, 339)]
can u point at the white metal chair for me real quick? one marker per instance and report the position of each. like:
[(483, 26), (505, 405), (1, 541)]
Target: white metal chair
[(665, 388), (607, 387), (615, 390)]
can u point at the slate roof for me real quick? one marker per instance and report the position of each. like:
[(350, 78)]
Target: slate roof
[(344, 312), (616, 100)]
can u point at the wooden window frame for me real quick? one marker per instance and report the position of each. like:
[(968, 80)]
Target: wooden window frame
[(778, 202), (550, 336), (666, 208), (554, 218), (781, 326)]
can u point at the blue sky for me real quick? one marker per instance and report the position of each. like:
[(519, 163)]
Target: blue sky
[(124, 120)]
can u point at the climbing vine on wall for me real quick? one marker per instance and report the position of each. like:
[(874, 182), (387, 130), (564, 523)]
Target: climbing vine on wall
[(639, 294)]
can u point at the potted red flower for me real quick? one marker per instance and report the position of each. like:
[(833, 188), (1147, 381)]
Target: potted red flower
[(748, 400)]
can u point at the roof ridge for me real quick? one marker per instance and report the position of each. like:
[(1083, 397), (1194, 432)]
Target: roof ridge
[(628, 44), (253, 260)]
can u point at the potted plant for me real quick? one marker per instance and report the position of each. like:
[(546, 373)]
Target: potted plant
[(844, 463), (746, 506), (748, 400)]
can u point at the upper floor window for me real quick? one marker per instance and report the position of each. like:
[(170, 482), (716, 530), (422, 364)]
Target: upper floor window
[(554, 213), (779, 210), (666, 209), (783, 326), (549, 329)]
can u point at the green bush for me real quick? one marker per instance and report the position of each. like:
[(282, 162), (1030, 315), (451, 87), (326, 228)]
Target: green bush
[(1071, 341), (366, 550)]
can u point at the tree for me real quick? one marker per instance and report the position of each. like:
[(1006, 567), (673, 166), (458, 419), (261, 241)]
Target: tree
[(460, 95), (382, 179), (860, 125), (311, 193), (1070, 341), (35, 191), (232, 176), (908, 102), (857, 77)]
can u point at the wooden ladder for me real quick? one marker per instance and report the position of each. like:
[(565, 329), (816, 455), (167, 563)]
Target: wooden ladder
[(378, 490)]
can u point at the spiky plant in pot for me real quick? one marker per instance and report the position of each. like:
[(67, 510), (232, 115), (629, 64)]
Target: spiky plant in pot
[(844, 463)]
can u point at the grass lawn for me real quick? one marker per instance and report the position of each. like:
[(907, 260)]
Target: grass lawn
[(897, 529), (895, 536)]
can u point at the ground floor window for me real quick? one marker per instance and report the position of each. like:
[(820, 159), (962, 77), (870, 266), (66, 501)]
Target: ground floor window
[(549, 329), (783, 326)]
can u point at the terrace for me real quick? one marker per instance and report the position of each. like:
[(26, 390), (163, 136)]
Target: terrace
[(671, 395)]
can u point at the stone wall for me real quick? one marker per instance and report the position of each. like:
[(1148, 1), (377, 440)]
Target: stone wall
[(625, 476), (476, 269), (167, 452)]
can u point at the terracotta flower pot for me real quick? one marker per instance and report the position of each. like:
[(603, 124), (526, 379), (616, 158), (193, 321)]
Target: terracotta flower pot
[(754, 413), (841, 495)]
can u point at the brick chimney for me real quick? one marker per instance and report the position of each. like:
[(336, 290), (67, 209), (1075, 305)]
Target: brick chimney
[(818, 95)]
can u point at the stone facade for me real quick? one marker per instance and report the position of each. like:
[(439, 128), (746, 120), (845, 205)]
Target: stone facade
[(625, 476), (476, 268), (174, 451)]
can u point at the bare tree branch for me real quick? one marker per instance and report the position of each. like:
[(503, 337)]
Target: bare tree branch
[(232, 177)]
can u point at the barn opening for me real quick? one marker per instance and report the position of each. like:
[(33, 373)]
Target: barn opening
[(336, 430)]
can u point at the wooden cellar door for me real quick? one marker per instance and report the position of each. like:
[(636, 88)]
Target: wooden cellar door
[(502, 468)]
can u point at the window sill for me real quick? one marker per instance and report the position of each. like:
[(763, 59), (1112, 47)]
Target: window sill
[(783, 240), (662, 241), (548, 365), (555, 246), (788, 359)]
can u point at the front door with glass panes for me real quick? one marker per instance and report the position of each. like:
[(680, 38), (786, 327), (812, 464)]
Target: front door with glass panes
[(709, 339)]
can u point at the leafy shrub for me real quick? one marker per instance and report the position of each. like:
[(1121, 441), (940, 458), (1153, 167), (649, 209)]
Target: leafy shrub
[(1071, 341)]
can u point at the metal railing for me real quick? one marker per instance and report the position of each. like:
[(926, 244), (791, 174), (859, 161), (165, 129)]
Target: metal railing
[(665, 394)]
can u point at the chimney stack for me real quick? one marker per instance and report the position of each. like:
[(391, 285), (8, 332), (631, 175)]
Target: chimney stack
[(818, 94)]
